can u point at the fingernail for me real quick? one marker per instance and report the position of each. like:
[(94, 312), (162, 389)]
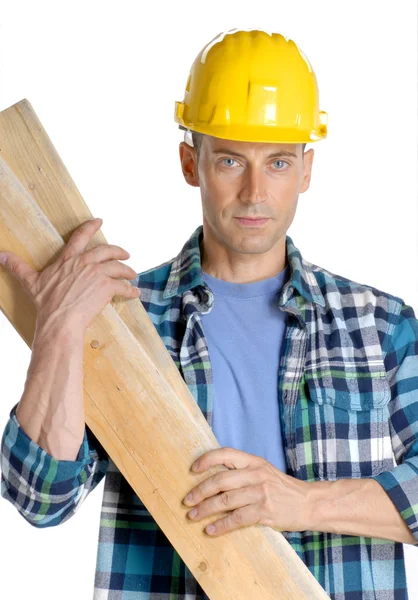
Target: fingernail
[(195, 466), (210, 528), (188, 498), (3, 258), (193, 513)]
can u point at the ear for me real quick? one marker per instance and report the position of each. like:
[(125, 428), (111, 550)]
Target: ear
[(189, 164), (307, 169)]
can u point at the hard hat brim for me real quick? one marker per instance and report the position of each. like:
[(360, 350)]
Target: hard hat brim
[(257, 133)]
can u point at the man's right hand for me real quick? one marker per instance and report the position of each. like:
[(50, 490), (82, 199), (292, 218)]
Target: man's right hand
[(78, 285)]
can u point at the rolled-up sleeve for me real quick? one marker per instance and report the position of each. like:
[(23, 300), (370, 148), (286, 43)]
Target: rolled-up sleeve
[(44, 490), (401, 361)]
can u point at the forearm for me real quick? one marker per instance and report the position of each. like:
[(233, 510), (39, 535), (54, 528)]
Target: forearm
[(51, 410), (356, 507)]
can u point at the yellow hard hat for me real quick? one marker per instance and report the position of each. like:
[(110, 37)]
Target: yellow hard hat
[(252, 86)]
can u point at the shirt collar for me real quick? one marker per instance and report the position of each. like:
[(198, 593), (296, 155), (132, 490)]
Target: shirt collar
[(186, 272)]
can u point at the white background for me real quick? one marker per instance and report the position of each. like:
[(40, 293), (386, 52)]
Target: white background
[(103, 77)]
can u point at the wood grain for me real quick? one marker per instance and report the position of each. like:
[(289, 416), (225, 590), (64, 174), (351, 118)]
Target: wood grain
[(136, 401)]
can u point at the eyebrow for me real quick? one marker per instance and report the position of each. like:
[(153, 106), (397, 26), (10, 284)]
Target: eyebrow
[(278, 153)]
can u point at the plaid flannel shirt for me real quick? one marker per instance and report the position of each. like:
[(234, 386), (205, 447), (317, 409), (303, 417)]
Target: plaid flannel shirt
[(348, 395)]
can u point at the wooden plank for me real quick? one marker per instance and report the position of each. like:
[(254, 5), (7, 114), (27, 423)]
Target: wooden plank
[(136, 402)]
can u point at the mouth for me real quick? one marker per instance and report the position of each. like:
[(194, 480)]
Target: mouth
[(251, 222)]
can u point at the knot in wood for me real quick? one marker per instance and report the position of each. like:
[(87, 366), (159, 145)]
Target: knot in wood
[(94, 344)]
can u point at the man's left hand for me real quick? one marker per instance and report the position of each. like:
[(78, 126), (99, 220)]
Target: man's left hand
[(253, 491)]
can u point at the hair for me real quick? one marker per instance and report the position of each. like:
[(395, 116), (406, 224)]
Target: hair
[(197, 139)]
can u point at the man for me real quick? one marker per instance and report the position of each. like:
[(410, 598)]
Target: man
[(309, 380)]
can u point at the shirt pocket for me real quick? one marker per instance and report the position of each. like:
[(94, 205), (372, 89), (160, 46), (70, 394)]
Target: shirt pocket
[(342, 434)]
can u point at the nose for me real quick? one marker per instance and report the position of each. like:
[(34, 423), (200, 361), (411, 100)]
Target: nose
[(253, 189)]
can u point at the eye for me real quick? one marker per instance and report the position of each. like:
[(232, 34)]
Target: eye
[(230, 159), (280, 161)]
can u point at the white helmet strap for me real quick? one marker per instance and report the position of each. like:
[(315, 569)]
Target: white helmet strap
[(188, 137)]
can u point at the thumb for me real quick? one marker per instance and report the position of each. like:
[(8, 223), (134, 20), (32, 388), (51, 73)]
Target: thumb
[(16, 266)]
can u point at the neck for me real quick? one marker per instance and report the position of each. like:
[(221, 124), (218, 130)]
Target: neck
[(223, 262)]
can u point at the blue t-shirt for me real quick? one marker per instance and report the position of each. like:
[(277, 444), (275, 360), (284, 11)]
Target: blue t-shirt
[(244, 332)]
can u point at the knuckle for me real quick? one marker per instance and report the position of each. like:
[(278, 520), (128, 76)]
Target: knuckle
[(81, 262), (89, 269), (101, 280), (238, 517), (13, 267), (263, 473), (64, 254), (223, 525), (77, 260), (225, 498), (264, 489)]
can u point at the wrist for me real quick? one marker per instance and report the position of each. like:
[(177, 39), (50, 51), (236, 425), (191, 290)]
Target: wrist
[(48, 332), (318, 505)]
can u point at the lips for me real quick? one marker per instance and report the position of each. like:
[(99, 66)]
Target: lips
[(252, 218), (251, 222)]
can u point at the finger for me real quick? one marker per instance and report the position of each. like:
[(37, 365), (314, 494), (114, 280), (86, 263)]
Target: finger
[(103, 252), (17, 267), (81, 237), (241, 517), (223, 481), (230, 457), (114, 268), (121, 287), (226, 501)]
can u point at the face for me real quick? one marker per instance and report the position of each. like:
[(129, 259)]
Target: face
[(247, 180)]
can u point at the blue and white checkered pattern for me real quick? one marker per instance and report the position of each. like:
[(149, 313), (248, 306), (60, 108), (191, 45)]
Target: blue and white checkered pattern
[(348, 394)]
